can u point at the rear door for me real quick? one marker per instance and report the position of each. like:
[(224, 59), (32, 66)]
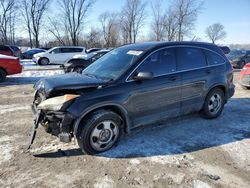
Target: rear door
[(195, 73), (68, 53), (158, 98)]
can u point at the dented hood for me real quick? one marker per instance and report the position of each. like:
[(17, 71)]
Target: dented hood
[(67, 81)]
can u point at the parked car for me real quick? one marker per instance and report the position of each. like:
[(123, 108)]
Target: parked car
[(133, 85), (6, 50), (29, 53), (57, 55), (17, 52), (239, 62), (79, 62), (245, 76), (9, 65)]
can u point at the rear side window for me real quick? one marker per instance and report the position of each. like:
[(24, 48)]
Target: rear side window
[(190, 58), (159, 63), (71, 50), (5, 48), (78, 49), (213, 58)]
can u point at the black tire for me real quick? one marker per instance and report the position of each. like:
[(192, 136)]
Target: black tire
[(214, 103), (43, 61), (95, 125), (2, 75)]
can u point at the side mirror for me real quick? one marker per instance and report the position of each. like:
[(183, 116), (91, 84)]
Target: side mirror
[(143, 76)]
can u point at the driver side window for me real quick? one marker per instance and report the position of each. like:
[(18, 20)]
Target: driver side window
[(56, 51), (159, 63)]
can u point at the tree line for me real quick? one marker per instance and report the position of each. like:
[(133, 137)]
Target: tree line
[(173, 23)]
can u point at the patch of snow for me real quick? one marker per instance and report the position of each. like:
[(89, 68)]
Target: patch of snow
[(13, 107), (200, 184), (134, 161), (163, 143), (5, 148), (105, 182)]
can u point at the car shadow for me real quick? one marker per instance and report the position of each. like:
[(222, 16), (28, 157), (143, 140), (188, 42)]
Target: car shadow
[(183, 135)]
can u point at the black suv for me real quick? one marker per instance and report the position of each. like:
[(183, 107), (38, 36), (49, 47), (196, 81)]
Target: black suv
[(133, 85)]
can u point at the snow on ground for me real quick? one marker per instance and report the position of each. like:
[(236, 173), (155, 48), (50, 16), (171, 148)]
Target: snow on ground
[(11, 108), (30, 65)]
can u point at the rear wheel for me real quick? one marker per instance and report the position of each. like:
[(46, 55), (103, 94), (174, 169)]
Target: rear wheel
[(2, 75), (100, 132), (214, 103)]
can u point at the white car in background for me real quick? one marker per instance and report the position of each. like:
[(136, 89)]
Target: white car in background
[(58, 55)]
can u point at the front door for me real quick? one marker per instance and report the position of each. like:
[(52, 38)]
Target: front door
[(158, 98)]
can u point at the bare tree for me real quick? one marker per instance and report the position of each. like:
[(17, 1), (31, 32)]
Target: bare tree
[(170, 25), (110, 29), (132, 19), (27, 18), (186, 12), (33, 13), (93, 38), (6, 13), (215, 32), (38, 7), (74, 13), (157, 23)]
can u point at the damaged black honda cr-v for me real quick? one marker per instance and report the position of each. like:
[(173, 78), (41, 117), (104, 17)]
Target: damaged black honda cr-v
[(133, 85)]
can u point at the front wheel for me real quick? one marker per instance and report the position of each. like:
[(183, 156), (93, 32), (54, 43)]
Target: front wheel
[(100, 132), (214, 103), (44, 61)]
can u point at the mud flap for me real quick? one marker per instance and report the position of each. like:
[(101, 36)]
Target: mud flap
[(32, 134)]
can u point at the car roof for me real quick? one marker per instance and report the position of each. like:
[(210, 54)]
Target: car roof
[(147, 46), (69, 47)]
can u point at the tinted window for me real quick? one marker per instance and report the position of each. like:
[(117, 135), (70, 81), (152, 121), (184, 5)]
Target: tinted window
[(78, 49), (213, 58), (71, 50), (190, 58), (159, 63), (56, 51), (4, 48)]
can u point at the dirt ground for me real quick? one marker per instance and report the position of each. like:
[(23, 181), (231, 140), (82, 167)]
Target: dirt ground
[(187, 152)]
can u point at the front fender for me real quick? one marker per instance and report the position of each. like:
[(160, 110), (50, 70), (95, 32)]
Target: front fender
[(122, 111)]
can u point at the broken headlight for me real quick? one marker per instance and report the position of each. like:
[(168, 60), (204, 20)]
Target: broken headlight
[(57, 103)]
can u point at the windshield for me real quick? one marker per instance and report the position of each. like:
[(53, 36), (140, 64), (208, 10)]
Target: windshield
[(113, 64)]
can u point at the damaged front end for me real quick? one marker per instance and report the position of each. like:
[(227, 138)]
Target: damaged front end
[(52, 115)]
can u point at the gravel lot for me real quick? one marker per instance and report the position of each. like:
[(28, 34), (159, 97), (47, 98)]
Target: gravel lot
[(187, 152)]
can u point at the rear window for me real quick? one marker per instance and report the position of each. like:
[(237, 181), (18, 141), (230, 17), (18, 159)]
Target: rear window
[(213, 58), (190, 58), (5, 48)]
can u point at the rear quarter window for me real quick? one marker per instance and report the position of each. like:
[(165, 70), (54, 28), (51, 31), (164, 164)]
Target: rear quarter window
[(190, 58), (213, 58)]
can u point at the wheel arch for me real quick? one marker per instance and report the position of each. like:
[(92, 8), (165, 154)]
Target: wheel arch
[(220, 86), (4, 70), (117, 108)]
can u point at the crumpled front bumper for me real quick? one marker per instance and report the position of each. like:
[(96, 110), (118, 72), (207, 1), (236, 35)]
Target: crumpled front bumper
[(59, 124)]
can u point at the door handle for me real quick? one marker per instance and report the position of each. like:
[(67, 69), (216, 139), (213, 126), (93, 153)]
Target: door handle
[(173, 78)]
